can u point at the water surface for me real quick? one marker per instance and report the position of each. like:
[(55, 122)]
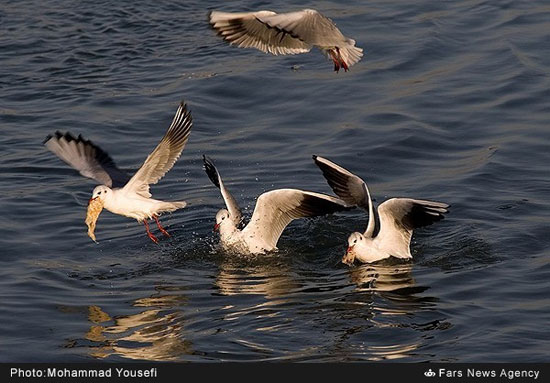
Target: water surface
[(450, 103)]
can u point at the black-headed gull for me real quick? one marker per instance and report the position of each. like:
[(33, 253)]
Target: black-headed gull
[(119, 193), (390, 229), (273, 212), (287, 33)]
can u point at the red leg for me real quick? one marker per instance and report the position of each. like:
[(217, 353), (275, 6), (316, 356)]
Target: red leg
[(153, 238), (341, 60), (160, 227), (335, 60)]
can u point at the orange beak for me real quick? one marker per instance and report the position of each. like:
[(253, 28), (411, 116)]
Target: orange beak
[(216, 226), (92, 199), (349, 249)]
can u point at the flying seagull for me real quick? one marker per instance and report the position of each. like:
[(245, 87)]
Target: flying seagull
[(287, 34), (119, 193), (273, 212), (389, 229)]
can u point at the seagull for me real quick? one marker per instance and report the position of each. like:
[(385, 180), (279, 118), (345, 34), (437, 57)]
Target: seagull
[(389, 229), (119, 193), (273, 212), (287, 33)]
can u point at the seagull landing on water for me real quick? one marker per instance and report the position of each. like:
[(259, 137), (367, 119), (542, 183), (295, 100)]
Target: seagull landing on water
[(389, 232), (273, 212), (119, 193), (287, 34)]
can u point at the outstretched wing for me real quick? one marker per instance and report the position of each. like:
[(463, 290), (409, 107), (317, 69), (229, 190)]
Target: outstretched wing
[(161, 160), (400, 216), (313, 28), (254, 30), (307, 25), (214, 175), (87, 158), (277, 208)]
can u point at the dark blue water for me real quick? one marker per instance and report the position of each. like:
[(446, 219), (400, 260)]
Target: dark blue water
[(450, 102)]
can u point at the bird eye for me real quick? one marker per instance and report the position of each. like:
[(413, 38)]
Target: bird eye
[(223, 218), (98, 193)]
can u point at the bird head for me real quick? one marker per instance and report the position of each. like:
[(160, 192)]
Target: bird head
[(101, 193), (221, 218), (355, 239)]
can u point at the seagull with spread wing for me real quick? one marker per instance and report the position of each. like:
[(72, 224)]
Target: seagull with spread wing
[(273, 212), (389, 229), (119, 193), (287, 34)]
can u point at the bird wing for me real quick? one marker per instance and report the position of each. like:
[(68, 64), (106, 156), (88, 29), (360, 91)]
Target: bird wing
[(87, 158), (400, 216), (307, 25), (165, 154), (351, 189), (313, 28), (277, 208), (258, 30), (214, 175), (345, 184)]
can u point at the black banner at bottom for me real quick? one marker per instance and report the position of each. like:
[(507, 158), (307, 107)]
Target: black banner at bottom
[(164, 372)]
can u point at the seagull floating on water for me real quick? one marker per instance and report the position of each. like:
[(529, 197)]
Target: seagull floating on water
[(390, 229), (273, 212), (119, 193), (287, 33)]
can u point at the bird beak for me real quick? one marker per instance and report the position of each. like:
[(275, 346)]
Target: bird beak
[(349, 249), (216, 226), (92, 199)]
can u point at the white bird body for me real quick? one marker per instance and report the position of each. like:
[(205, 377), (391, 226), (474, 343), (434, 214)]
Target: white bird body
[(233, 239), (287, 33), (135, 206), (390, 228), (119, 193), (274, 210), (370, 252), (394, 243)]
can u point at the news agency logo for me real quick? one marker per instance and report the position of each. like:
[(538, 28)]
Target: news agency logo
[(429, 373)]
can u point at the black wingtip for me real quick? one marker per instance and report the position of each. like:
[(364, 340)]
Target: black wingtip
[(184, 110), (319, 160), (425, 214), (48, 137), (68, 136), (211, 170), (209, 21), (207, 161), (312, 205)]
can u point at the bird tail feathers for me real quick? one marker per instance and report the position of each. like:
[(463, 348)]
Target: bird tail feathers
[(351, 54)]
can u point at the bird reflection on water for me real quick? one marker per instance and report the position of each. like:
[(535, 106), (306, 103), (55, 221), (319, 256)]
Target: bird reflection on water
[(154, 334), (247, 294)]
